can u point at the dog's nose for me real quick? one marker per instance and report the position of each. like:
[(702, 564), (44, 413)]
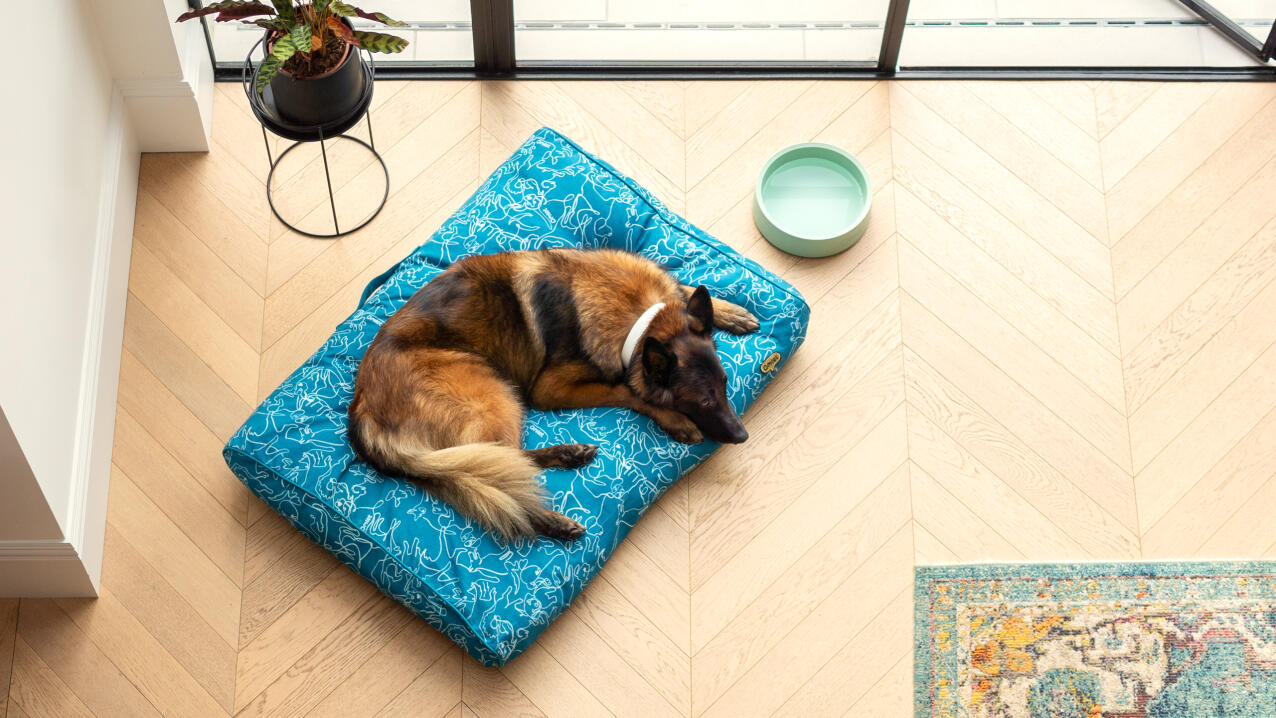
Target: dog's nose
[(737, 434)]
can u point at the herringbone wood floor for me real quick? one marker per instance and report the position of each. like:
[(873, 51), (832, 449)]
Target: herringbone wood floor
[(1055, 342)]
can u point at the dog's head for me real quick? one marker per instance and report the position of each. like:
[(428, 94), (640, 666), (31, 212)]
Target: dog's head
[(681, 371)]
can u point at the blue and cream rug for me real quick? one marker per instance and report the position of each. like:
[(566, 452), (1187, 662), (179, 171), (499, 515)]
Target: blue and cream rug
[(1091, 640)]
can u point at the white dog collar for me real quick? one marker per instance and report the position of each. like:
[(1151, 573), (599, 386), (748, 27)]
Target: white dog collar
[(635, 333)]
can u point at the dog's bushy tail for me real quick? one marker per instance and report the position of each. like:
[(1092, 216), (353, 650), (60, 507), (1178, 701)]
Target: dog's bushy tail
[(492, 484)]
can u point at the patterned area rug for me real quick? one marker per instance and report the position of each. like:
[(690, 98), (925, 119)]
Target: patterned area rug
[(1110, 640)]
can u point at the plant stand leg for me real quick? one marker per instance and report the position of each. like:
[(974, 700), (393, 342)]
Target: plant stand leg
[(332, 202)]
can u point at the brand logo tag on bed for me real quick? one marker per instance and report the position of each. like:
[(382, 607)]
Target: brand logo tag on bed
[(771, 362)]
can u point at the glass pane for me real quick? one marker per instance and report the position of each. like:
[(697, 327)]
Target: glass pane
[(1256, 16), (439, 31), (698, 30), (1125, 33)]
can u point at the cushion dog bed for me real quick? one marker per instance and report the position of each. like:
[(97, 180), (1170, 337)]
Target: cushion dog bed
[(494, 599)]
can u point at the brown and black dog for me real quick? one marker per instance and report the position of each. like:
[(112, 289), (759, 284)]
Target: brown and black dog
[(440, 394)]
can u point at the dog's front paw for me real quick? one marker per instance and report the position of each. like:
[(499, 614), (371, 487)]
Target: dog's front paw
[(735, 319), (681, 428)]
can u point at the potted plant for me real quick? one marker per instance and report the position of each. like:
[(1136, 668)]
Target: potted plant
[(312, 61)]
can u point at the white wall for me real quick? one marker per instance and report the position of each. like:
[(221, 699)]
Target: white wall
[(53, 150), (69, 154)]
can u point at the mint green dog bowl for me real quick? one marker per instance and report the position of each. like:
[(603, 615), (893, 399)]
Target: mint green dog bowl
[(812, 200)]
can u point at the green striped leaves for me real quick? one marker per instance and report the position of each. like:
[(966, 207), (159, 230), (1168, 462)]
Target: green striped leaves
[(379, 41), (345, 10), (228, 10)]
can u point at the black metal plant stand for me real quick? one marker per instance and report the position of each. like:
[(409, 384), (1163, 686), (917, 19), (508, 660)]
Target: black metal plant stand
[(263, 109)]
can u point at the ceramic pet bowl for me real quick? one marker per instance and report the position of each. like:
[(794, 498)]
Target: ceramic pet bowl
[(812, 200)]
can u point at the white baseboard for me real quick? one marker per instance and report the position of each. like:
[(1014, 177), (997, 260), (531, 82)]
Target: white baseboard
[(72, 566), (43, 568), (174, 114)]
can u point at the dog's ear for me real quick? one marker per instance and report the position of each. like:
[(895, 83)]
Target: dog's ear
[(700, 312), (658, 361)]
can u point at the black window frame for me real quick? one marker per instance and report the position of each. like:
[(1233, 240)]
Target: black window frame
[(495, 57)]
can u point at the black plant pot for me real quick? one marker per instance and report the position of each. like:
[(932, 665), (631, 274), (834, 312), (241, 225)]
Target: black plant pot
[(322, 100)]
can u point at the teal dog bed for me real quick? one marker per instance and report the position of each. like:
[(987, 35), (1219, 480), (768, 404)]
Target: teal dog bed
[(494, 599)]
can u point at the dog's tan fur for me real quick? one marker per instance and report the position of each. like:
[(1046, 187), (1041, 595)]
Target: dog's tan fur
[(439, 395)]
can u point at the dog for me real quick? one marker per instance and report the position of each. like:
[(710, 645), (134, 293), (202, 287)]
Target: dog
[(439, 396)]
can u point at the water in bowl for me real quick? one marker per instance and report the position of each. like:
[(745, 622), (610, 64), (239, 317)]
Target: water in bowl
[(812, 197)]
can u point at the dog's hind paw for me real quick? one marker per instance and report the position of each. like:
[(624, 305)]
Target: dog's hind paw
[(556, 525), (564, 456)]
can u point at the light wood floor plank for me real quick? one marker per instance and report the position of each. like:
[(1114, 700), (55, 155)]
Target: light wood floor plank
[(545, 681), (1207, 439), (327, 665), (152, 469), (854, 670), (432, 690), (429, 142), (1219, 509), (1013, 407), (85, 669), (301, 567), (1006, 511), (520, 107), (1151, 122), (652, 593), (1071, 503), (168, 617), (760, 496), (1180, 212), (783, 670), (181, 433), (656, 659), (1114, 101), (308, 334), (867, 345), (198, 326), (241, 191), (633, 124), (959, 529), (666, 544), (1018, 201), (663, 99), (1198, 292), (855, 543), (731, 127), (1059, 117), (37, 691), (1007, 295), (927, 549), (182, 371), (1092, 416), (302, 188), (792, 531), (733, 179), (203, 585), (168, 179), (969, 213), (1199, 379), (140, 657), (963, 107), (330, 604), (491, 695), (199, 268), (890, 696), (706, 100), (617, 684), (1180, 154)]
